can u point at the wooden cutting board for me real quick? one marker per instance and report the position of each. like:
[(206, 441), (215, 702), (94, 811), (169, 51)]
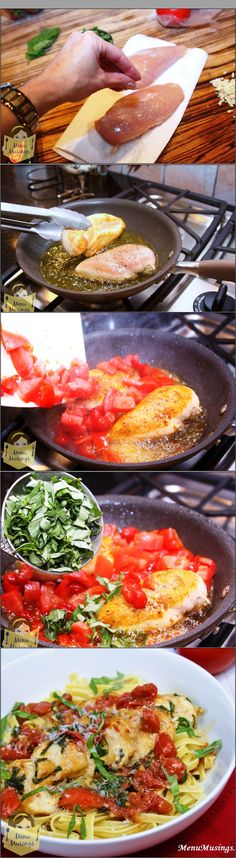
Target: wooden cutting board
[(206, 132)]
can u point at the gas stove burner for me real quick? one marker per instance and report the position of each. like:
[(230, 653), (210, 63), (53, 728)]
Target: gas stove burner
[(214, 301)]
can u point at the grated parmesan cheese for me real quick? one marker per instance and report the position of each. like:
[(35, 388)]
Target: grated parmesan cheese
[(225, 88)]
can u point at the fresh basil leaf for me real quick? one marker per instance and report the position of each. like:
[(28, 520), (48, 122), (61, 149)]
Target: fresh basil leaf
[(184, 726), (102, 33), (174, 786), (39, 44), (3, 725), (209, 749), (35, 791), (68, 703), (83, 832), (71, 824)]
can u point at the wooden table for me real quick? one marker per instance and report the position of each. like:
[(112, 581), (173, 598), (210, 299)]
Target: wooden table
[(206, 132)]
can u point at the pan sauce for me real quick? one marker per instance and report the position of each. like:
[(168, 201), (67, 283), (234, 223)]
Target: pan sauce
[(152, 450), (59, 269)]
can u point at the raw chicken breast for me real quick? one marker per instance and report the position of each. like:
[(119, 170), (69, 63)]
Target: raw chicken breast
[(119, 264), (154, 61), (136, 113)]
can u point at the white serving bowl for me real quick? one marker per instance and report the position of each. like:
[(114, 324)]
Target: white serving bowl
[(34, 676)]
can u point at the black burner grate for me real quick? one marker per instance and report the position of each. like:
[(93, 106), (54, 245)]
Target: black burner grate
[(206, 226)]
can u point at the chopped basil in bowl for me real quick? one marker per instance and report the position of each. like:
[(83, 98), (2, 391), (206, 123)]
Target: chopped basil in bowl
[(53, 522)]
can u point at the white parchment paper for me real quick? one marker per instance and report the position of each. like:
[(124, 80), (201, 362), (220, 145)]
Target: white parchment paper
[(82, 143)]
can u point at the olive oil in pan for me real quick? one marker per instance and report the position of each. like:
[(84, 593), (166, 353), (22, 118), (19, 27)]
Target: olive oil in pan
[(59, 269), (153, 450)]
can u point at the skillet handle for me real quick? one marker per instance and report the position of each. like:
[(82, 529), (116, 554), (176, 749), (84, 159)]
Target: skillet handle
[(219, 268)]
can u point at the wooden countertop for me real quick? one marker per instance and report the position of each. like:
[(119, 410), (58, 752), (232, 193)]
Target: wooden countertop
[(206, 132)]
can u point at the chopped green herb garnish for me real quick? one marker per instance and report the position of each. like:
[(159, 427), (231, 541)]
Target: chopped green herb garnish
[(184, 726), (174, 786), (113, 684), (3, 725), (43, 523), (209, 749)]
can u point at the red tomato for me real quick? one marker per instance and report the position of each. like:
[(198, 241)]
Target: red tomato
[(9, 580), (41, 708), (12, 602), (212, 659), (97, 421), (14, 341), (174, 766), (9, 385), (148, 801), (175, 14), (128, 533), (205, 567), (86, 798), (65, 639), (137, 697), (22, 361), (73, 422), (28, 387), (134, 595), (45, 395), (103, 567), (48, 600), (150, 721), (10, 801), (32, 592), (150, 541), (82, 633), (172, 540), (164, 746)]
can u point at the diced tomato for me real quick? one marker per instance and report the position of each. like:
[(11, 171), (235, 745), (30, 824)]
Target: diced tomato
[(65, 639), (122, 402), (137, 697), (14, 341), (110, 530), (128, 533), (98, 421), (73, 422), (25, 573), (78, 387), (150, 541), (48, 600), (206, 568), (12, 602), (28, 387), (82, 633), (103, 567), (164, 746), (9, 580), (22, 361), (41, 708), (172, 539), (32, 592), (45, 395), (86, 798), (150, 722), (133, 594), (174, 766), (174, 14), (39, 367), (10, 801), (148, 801), (9, 385)]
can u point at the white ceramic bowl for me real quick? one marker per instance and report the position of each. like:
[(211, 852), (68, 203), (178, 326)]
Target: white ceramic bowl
[(35, 675)]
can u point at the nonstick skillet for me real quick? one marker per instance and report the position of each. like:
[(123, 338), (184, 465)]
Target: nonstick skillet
[(155, 227), (196, 365), (199, 534)]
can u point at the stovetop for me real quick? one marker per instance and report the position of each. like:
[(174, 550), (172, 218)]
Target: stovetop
[(206, 226), (214, 330), (209, 494)]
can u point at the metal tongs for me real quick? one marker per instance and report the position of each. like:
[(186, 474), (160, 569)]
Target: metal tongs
[(60, 218)]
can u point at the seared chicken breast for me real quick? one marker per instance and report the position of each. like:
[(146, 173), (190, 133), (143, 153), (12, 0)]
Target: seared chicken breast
[(119, 264), (176, 592), (161, 413), (104, 229)]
